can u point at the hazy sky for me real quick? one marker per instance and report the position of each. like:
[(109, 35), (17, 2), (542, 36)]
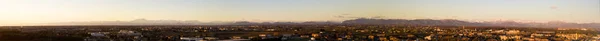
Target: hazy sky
[(44, 11)]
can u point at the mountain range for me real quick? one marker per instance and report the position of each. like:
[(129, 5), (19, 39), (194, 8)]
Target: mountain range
[(422, 22)]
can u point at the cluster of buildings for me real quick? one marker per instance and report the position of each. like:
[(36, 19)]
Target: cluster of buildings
[(316, 33)]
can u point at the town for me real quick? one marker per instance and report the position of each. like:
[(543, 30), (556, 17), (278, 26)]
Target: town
[(293, 33)]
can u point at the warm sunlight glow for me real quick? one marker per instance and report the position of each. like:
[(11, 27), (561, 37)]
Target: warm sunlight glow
[(51, 11)]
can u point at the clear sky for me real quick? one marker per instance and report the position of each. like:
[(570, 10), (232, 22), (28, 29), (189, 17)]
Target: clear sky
[(47, 11)]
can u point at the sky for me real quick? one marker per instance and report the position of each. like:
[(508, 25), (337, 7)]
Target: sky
[(49, 11)]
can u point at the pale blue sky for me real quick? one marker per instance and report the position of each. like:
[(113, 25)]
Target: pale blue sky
[(44, 11)]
